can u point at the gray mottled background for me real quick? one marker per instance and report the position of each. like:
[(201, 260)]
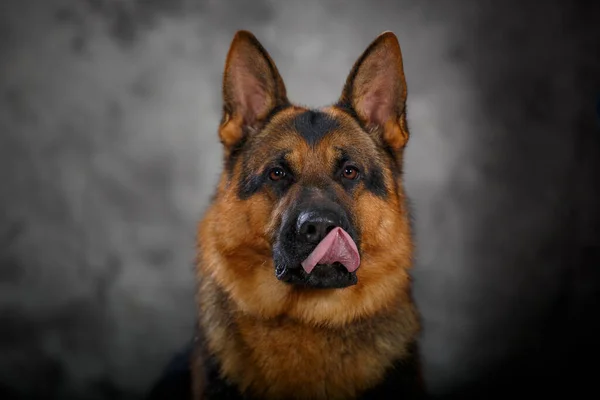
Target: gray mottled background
[(109, 151)]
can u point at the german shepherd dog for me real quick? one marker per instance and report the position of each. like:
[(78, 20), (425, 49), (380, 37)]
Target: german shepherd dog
[(304, 253)]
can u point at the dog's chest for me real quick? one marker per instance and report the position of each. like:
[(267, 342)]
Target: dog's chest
[(286, 360)]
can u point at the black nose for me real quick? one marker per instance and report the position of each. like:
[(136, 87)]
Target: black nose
[(313, 226)]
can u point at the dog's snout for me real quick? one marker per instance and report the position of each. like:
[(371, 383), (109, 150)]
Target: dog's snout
[(313, 226)]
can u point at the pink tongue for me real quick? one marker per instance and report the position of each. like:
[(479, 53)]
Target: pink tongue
[(337, 246)]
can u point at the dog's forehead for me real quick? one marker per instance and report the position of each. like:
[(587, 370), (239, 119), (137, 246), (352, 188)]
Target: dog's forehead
[(312, 126), (306, 137)]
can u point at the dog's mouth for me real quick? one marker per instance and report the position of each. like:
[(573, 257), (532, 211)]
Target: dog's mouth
[(322, 276), (331, 264)]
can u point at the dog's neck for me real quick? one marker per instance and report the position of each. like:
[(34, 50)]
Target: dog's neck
[(283, 358)]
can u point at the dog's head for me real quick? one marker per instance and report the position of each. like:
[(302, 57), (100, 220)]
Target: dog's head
[(309, 218)]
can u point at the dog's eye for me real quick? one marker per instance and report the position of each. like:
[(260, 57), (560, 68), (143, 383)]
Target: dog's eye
[(276, 174), (350, 172)]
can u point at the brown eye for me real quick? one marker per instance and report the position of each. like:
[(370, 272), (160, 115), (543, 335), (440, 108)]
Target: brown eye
[(276, 174), (350, 172)]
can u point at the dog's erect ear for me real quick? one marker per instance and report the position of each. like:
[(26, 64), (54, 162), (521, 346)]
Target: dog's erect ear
[(252, 88), (376, 90)]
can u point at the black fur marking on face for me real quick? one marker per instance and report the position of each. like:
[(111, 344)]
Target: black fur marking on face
[(252, 182), (312, 125), (373, 178), (375, 183)]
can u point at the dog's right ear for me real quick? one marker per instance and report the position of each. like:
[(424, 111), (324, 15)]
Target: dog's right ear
[(252, 88)]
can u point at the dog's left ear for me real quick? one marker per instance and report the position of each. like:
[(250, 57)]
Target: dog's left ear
[(376, 90)]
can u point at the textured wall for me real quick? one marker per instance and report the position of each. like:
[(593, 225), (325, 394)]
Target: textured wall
[(108, 154)]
